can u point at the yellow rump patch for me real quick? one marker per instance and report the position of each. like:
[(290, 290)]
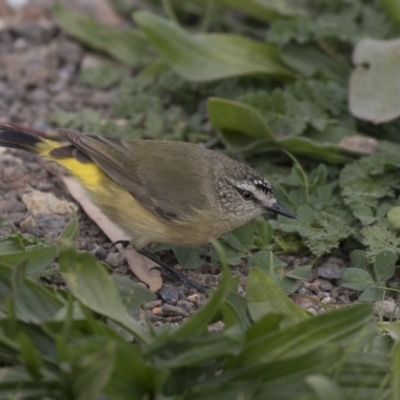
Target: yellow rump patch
[(88, 173)]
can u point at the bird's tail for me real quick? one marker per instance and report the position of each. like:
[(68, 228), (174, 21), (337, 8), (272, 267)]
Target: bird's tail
[(16, 139)]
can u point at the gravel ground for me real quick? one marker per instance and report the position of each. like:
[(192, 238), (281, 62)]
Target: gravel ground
[(38, 75)]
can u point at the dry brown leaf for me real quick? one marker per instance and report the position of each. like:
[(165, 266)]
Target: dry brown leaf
[(139, 264), (360, 144)]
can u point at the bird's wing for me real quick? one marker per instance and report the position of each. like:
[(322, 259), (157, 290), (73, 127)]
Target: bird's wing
[(161, 184)]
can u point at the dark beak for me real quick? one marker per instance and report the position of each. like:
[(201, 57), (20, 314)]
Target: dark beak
[(277, 209)]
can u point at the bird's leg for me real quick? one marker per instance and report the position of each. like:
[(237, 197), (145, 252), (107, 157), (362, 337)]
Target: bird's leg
[(171, 272), (123, 243)]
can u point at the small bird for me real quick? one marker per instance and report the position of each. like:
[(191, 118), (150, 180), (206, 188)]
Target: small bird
[(157, 191)]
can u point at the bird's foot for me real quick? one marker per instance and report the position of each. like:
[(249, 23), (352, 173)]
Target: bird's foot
[(166, 269), (172, 273)]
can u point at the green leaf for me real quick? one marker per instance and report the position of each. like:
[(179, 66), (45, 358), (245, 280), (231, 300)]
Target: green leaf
[(265, 297), (132, 377), (243, 129), (188, 258), (91, 285), (376, 72), (390, 328), (384, 265), (393, 216), (92, 372), (325, 388), (235, 312), (303, 273), (310, 334), (234, 116), (205, 57), (71, 231), (395, 372), (33, 302), (132, 294), (357, 279), (357, 258), (379, 238), (267, 11), (308, 60), (30, 356), (37, 258), (372, 293), (267, 262), (265, 231), (127, 46), (392, 9)]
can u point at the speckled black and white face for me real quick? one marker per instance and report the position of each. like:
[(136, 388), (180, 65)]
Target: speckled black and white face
[(245, 194), (250, 195)]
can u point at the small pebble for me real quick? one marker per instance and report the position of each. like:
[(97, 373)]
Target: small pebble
[(151, 304), (169, 294), (314, 286), (329, 271), (322, 295), (326, 300), (303, 291), (325, 285), (312, 310), (115, 259), (193, 298), (171, 311), (156, 310), (185, 305)]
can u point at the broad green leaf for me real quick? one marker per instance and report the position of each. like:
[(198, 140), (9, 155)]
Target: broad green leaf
[(357, 258), (188, 258), (233, 116), (357, 279), (309, 60), (267, 10), (268, 263), (193, 351), (310, 334), (30, 356), (235, 312), (390, 328), (125, 45), (244, 130), (132, 294), (132, 377), (376, 71), (265, 297), (91, 285), (267, 324), (275, 373), (395, 384), (384, 265), (206, 57), (392, 9), (265, 231), (393, 216), (364, 374), (372, 293), (325, 388), (364, 214), (91, 372), (37, 258), (33, 302), (303, 273)]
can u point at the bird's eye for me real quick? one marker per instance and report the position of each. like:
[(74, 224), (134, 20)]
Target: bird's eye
[(247, 195)]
